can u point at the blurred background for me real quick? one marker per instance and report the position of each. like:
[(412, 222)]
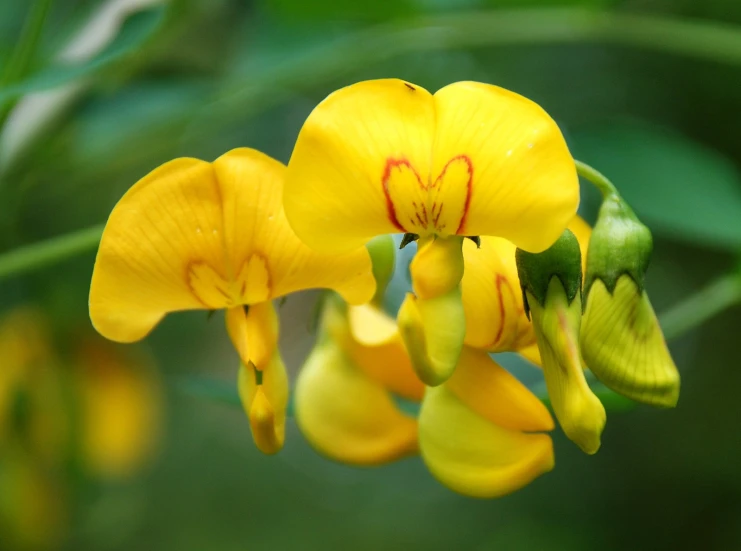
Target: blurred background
[(101, 449)]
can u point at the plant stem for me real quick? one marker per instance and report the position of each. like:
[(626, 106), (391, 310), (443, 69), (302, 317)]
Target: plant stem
[(600, 181), (699, 307), (38, 255)]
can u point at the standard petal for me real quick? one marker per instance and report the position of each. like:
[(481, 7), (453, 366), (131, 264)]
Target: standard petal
[(263, 247), (492, 299), (161, 251), (520, 180), (496, 395), (473, 456), (360, 165), (346, 415)]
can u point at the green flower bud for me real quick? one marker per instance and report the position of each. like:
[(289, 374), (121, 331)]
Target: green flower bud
[(619, 245), (621, 340), (551, 285)]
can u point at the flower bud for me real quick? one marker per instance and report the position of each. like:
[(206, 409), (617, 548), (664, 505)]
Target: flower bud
[(621, 340), (551, 285)]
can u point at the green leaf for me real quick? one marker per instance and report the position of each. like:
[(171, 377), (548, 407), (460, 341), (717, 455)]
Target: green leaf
[(134, 32), (676, 186)]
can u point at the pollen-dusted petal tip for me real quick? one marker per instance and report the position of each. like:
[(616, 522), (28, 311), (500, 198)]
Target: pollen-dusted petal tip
[(524, 184), (433, 331), (473, 456), (346, 415), (358, 146), (624, 347)]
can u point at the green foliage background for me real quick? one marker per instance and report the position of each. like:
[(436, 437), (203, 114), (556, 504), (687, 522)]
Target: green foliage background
[(659, 115)]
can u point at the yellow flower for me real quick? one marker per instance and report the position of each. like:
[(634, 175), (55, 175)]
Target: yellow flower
[(199, 235), (621, 338), (387, 156), (346, 412), (476, 431)]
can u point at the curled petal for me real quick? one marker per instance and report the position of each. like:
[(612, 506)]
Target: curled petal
[(523, 184), (199, 235), (473, 456), (433, 331), (624, 347), (348, 416)]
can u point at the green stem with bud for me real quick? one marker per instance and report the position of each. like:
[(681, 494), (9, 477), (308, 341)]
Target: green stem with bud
[(595, 177)]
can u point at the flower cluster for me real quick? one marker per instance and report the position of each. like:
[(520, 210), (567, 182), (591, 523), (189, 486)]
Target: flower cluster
[(482, 179)]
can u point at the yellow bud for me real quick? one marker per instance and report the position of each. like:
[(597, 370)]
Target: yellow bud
[(579, 412), (624, 347), (262, 421)]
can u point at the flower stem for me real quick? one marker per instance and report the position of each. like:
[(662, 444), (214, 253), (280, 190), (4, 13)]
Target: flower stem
[(50, 251), (595, 177), (702, 305)]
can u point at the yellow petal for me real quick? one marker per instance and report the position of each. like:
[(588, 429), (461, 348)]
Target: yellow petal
[(121, 409), (346, 415), (252, 187), (524, 185), (193, 234), (372, 341), (492, 298), (384, 156), (471, 455), (264, 396), (624, 347), (370, 326), (580, 413), (361, 146), (433, 331), (496, 395), (583, 233), (156, 240), (531, 354)]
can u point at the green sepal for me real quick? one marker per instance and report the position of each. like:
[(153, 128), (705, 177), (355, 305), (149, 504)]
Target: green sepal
[(561, 260), (620, 244)]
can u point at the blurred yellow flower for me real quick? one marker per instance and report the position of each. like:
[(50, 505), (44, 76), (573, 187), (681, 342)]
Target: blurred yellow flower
[(473, 159), (199, 235), (120, 407), (89, 405)]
